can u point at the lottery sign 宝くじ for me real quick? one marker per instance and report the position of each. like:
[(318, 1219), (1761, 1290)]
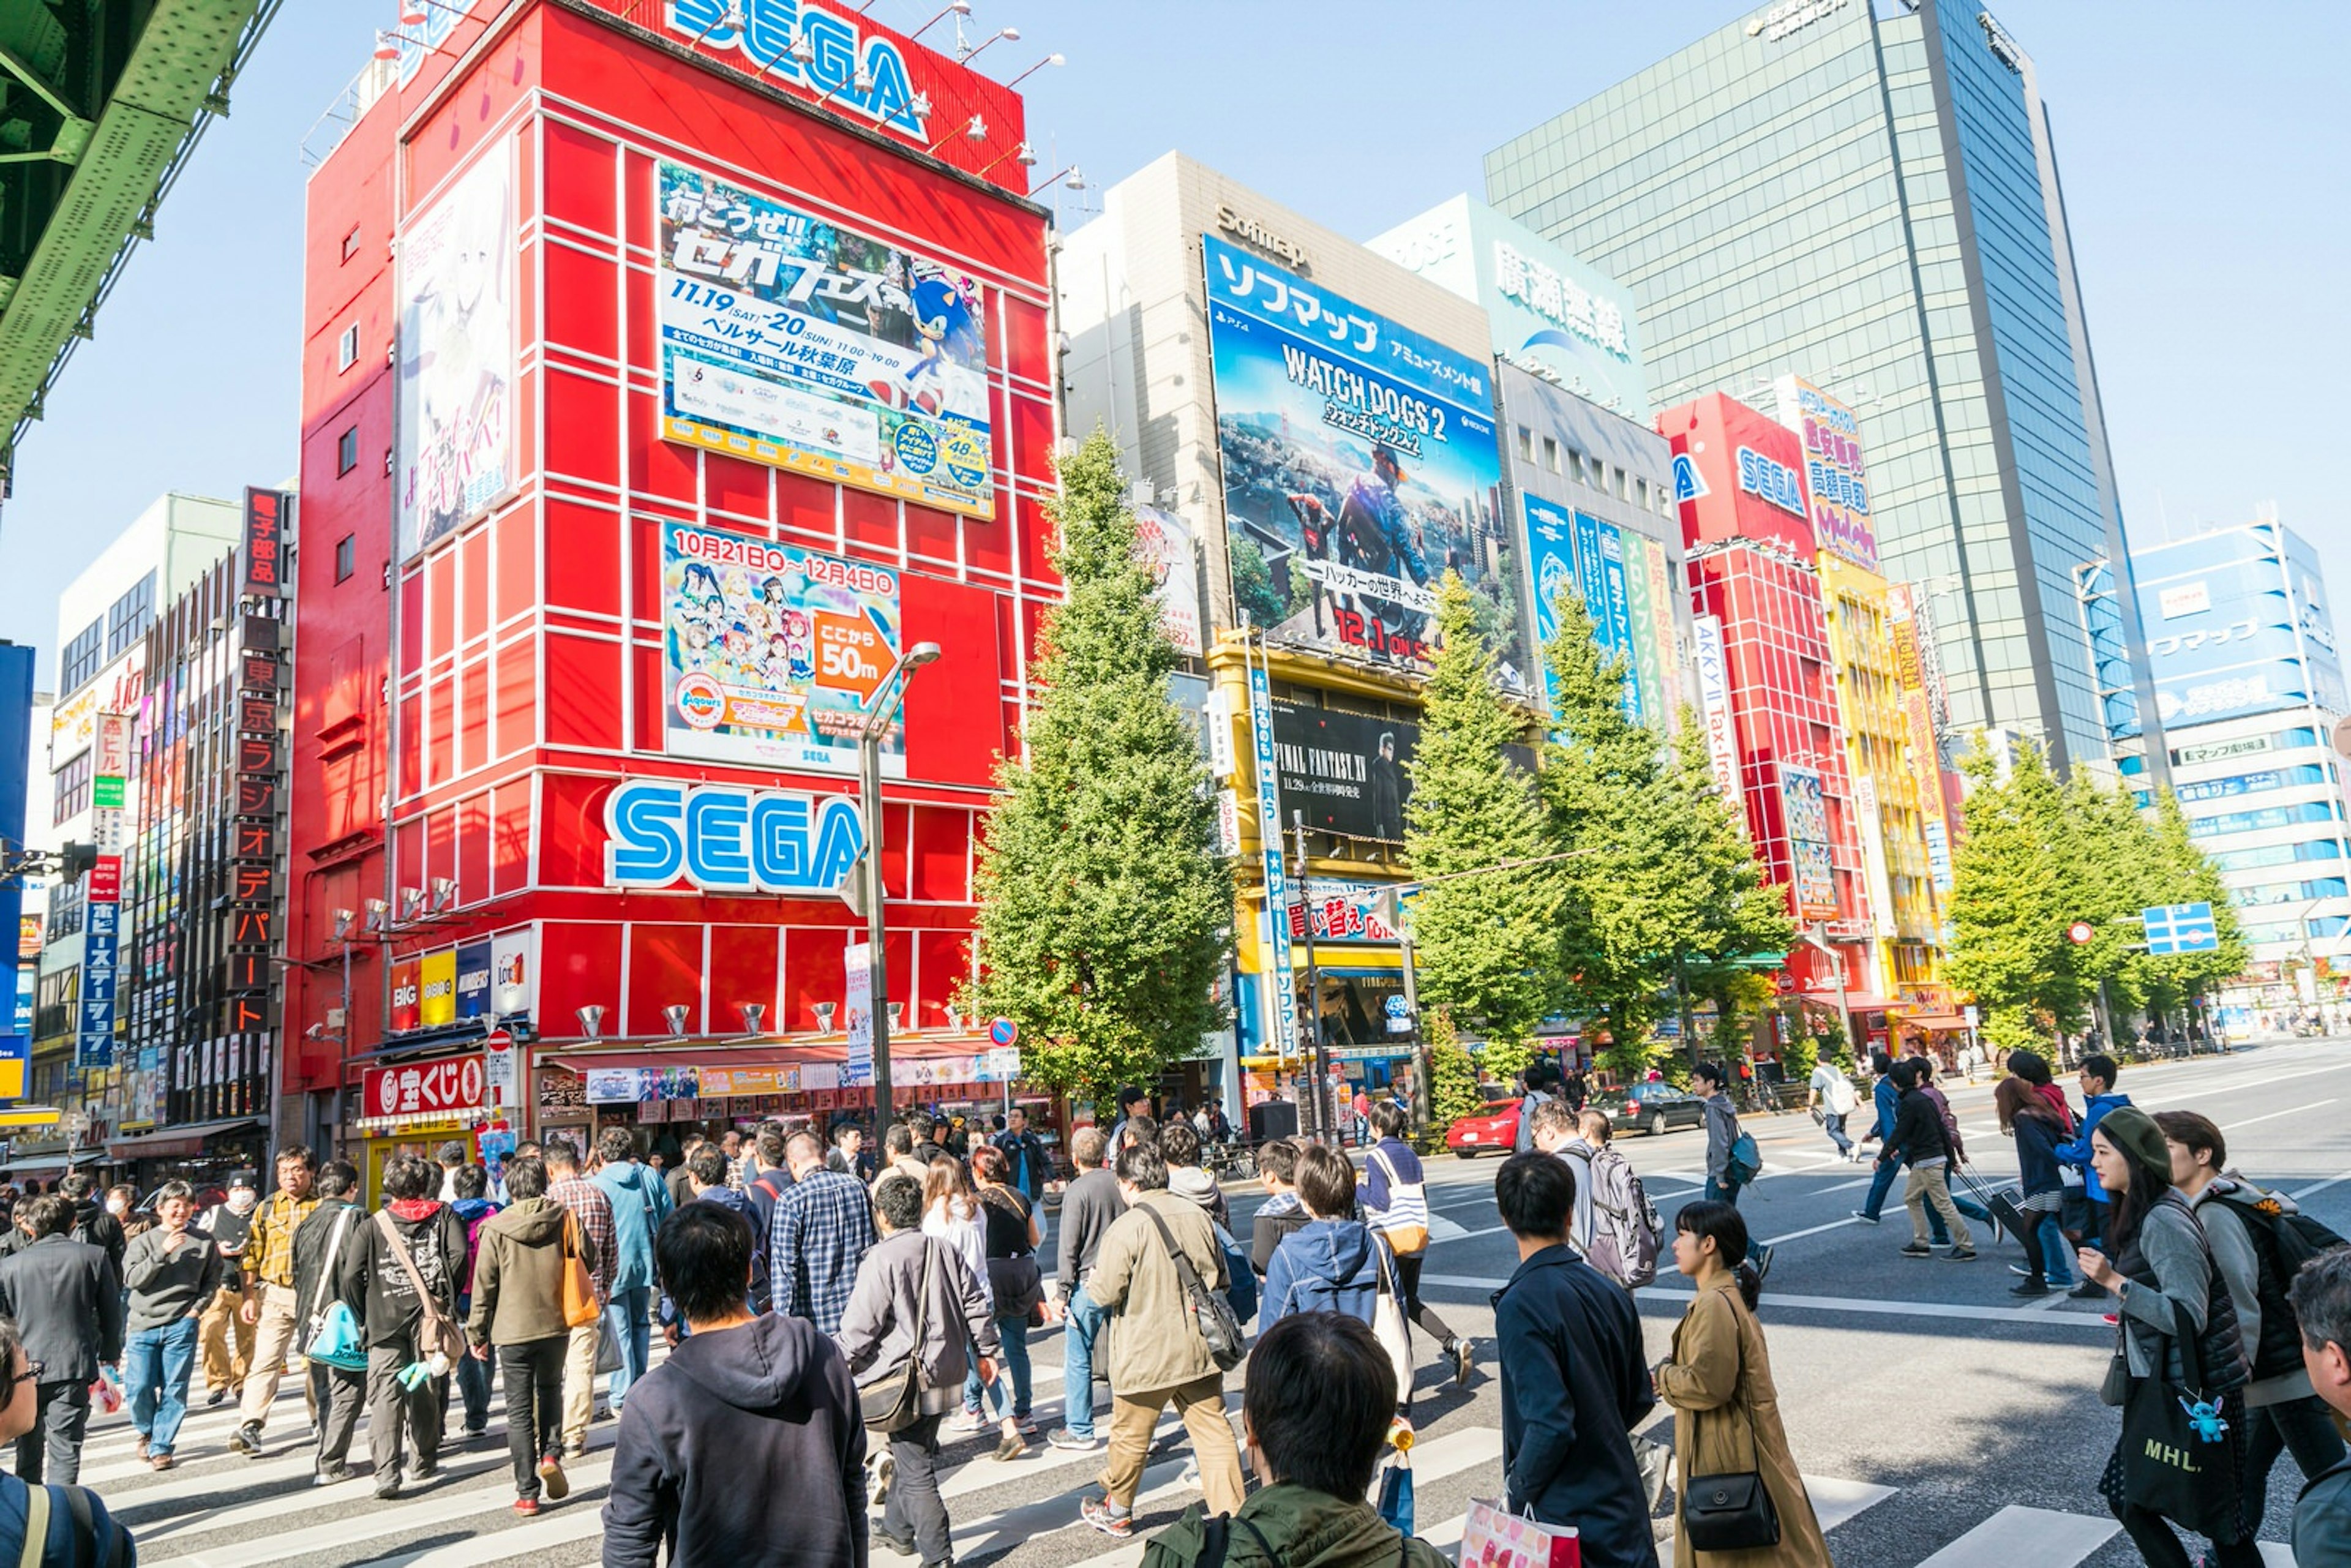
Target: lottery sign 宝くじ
[(791, 340), (771, 652)]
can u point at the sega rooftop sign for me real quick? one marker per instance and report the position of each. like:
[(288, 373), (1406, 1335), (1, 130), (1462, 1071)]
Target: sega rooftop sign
[(729, 839), (857, 72)]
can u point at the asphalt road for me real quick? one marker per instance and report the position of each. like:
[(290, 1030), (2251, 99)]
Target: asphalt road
[(1939, 1423)]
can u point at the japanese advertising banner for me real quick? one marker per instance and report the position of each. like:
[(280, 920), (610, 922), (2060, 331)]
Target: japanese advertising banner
[(1341, 910), (1349, 773), (456, 354), (1714, 702), (473, 976), (1836, 477), (511, 990), (451, 1087), (791, 340), (436, 975), (1600, 568), (772, 651), (403, 995), (1281, 986), (2236, 625), (1804, 806), (1164, 542), (1550, 565), (1358, 465)]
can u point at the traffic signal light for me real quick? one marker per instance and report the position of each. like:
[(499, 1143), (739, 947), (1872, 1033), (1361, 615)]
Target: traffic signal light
[(76, 861)]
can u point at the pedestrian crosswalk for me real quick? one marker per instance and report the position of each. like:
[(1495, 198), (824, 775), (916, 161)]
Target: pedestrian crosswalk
[(219, 1510)]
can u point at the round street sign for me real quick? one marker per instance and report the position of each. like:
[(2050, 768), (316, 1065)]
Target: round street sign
[(2081, 933), (1003, 1031)]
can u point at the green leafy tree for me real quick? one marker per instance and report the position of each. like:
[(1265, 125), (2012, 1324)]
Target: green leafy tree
[(1484, 945), (1105, 912), (2018, 882), (1453, 1089), (2186, 874)]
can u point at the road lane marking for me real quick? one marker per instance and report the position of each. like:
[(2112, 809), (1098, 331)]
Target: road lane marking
[(2041, 1536), (1864, 1306), (2322, 1187), (2289, 1111), (1815, 1230)]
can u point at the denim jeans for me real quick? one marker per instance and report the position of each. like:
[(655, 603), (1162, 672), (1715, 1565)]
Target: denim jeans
[(1013, 1383), (1881, 1182), (1082, 1326), (474, 1387), (632, 1334), (1833, 1124), (2054, 1252), (1723, 1192), (155, 1367)]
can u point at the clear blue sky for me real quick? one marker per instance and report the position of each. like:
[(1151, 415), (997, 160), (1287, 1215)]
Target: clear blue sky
[(2205, 150)]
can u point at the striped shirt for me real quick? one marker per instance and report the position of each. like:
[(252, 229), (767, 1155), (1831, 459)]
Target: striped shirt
[(586, 1200)]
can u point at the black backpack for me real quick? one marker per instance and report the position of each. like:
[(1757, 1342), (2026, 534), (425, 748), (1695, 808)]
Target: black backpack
[(2297, 1237)]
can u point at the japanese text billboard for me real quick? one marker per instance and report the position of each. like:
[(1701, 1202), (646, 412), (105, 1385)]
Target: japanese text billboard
[(1835, 476), (1350, 773), (1358, 465), (1807, 812), (770, 652), (2235, 625), (1164, 543), (456, 354), (791, 340), (451, 1087)]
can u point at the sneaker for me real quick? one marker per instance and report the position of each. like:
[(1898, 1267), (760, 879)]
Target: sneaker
[(160, 1461), (969, 1421), (214, 1398), (1076, 1442), (1011, 1447), (1028, 1425), (428, 1471), (2028, 1287), (1462, 1363), (333, 1475), (575, 1450), (1866, 1216), (247, 1441), (527, 1506), (1918, 1249), (1763, 1263), (387, 1486), (2087, 1290), (1960, 1255), (1117, 1523), (552, 1479), (2019, 1268)]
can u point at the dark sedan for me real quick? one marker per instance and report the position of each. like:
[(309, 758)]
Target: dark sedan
[(1649, 1108)]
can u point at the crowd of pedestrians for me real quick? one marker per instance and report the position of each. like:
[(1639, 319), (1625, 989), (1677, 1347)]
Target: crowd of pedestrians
[(833, 1323)]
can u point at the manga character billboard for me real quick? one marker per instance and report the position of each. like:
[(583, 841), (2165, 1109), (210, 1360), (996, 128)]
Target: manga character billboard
[(1358, 465), (788, 339), (1804, 806), (456, 354), (770, 652)]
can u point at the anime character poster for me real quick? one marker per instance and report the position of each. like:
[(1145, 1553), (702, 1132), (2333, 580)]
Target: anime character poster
[(456, 354), (1360, 466), (771, 652), (791, 340)]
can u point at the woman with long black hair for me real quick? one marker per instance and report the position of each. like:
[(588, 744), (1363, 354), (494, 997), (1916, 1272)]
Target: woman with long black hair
[(2177, 1344), (1718, 1381), (2026, 1116)]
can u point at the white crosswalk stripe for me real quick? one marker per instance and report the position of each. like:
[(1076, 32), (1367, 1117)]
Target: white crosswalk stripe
[(219, 1511)]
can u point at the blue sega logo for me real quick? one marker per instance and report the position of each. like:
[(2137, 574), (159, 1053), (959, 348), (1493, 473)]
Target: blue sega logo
[(726, 838)]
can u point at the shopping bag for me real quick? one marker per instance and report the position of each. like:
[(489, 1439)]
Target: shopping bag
[(105, 1392), (1493, 1537), (1395, 1493)]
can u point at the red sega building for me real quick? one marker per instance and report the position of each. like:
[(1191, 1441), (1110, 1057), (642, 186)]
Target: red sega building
[(663, 382), (1746, 524)]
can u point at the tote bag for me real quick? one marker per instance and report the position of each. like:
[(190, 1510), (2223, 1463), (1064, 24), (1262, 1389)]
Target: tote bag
[(2167, 1466), (579, 1308)]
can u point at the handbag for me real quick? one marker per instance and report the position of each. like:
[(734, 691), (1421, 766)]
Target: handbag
[(1732, 1510), (1388, 1327), (1408, 1240), (1494, 1537), (335, 1338), (579, 1308), (893, 1401), (1212, 1314), (2169, 1467), (437, 1335)]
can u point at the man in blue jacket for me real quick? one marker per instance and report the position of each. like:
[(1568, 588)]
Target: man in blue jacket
[(1887, 1099), (2097, 1080), (1573, 1385), (640, 1203)]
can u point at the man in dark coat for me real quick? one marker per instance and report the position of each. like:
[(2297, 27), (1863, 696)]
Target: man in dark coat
[(376, 1286), (1573, 1385), (66, 1299)]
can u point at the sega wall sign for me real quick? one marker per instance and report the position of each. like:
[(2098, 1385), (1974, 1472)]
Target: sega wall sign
[(727, 839), (1774, 482), (855, 72)]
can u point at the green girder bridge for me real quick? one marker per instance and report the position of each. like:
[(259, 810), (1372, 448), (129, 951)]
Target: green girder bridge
[(101, 103)]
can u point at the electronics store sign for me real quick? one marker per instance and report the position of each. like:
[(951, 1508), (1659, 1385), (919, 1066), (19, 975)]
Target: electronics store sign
[(1791, 17), (791, 41), (724, 838)]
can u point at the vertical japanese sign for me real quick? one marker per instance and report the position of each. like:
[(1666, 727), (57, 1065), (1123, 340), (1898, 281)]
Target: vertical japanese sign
[(253, 843), (788, 339), (771, 652), (265, 512), (1714, 702), (1905, 620), (1281, 992), (858, 1002), (102, 922), (1663, 635), (1836, 477), (1873, 854), (1550, 567), (1656, 701), (456, 354), (1803, 804)]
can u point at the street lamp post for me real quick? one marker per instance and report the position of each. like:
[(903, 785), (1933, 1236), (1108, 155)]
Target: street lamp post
[(869, 805)]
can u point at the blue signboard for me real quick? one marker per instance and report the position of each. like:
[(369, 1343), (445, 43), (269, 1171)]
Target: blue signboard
[(15, 773), (2236, 623), (1583, 554), (474, 980), (100, 945), (2180, 928)]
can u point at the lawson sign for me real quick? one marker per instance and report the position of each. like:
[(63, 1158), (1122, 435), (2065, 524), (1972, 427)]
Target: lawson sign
[(726, 838)]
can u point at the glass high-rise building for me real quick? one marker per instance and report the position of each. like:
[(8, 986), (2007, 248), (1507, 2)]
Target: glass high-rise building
[(1864, 192)]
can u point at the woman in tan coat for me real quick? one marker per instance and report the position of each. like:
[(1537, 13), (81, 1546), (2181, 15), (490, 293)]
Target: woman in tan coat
[(1718, 1381)]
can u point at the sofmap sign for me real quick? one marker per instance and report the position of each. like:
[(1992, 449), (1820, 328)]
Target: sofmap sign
[(723, 838)]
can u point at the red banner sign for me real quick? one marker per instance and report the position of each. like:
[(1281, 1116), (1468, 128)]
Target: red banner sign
[(452, 1088)]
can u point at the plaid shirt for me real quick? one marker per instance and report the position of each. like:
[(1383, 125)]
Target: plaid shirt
[(586, 1200), (269, 1250), (822, 1226)]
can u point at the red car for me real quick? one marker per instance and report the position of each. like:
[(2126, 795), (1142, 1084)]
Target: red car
[(1497, 1129)]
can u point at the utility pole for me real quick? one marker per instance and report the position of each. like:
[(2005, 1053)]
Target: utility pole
[(1312, 1020), (868, 866)]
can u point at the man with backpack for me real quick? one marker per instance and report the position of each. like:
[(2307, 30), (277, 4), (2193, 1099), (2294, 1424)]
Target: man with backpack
[(1731, 1161), (1831, 1096), (65, 1525), (400, 1276), (1615, 1226), (2259, 1240), (1158, 1352), (1395, 1203), (1539, 1076)]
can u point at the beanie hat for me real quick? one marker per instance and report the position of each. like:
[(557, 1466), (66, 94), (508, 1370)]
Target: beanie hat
[(2134, 1132)]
